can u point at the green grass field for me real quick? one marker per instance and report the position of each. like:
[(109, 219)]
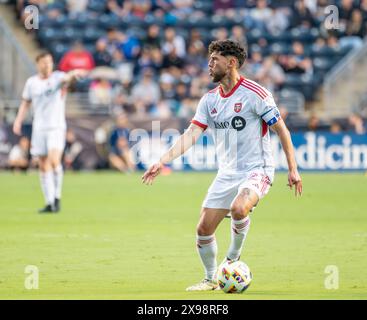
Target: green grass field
[(119, 239)]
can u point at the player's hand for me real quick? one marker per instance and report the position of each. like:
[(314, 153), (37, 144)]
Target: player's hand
[(80, 74), (151, 173), (17, 128), (294, 179)]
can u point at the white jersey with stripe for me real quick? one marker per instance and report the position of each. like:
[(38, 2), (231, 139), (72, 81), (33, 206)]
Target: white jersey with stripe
[(239, 122), (48, 101)]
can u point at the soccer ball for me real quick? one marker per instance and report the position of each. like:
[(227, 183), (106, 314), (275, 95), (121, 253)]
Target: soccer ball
[(234, 277)]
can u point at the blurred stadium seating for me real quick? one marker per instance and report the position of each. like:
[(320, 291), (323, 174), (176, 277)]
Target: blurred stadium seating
[(269, 27)]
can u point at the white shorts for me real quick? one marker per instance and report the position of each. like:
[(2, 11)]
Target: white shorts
[(46, 140), (226, 187)]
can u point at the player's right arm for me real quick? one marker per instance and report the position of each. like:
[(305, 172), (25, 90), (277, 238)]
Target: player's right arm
[(22, 113), (198, 124), (183, 143), (23, 108)]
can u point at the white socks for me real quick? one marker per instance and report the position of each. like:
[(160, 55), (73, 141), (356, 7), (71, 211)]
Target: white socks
[(58, 177), (207, 248), (48, 186), (239, 230), (51, 183)]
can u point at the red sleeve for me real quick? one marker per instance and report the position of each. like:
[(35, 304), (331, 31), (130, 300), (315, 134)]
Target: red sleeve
[(199, 124)]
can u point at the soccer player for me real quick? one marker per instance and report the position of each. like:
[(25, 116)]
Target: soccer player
[(239, 113), (46, 92)]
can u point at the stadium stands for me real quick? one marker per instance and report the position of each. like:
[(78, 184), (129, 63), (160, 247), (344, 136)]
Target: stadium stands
[(292, 33)]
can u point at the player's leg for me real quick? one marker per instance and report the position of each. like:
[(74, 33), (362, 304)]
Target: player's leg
[(117, 163), (207, 246), (54, 157), (39, 150), (254, 188), (55, 147), (47, 183), (242, 205)]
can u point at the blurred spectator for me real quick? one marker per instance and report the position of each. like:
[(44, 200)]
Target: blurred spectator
[(112, 39), (167, 86), (100, 92), (313, 123), (261, 14), (182, 8), (76, 6), (119, 8), (128, 45), (123, 67), (335, 127), (77, 58), (254, 64), (221, 6), (19, 155), (332, 41), (302, 16), (173, 42), (296, 62), (120, 156), (270, 75), (197, 41), (172, 59), (152, 39), (345, 12), (238, 34), (72, 151), (161, 110), (146, 91), (221, 34), (356, 25), (101, 56), (355, 122), (157, 59), (278, 22)]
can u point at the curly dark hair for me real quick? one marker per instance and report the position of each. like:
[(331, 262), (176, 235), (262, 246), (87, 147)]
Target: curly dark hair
[(229, 48)]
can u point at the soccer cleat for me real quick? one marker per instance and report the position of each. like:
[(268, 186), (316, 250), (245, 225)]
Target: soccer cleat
[(204, 285), (57, 205), (48, 209)]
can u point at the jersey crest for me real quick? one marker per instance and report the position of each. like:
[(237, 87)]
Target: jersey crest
[(237, 107)]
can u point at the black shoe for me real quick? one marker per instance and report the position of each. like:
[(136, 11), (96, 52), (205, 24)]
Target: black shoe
[(57, 205), (48, 209)]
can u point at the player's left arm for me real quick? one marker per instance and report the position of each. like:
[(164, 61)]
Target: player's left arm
[(294, 177)]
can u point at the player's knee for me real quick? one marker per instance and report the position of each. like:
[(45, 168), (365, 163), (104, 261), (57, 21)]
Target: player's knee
[(203, 230), (239, 211)]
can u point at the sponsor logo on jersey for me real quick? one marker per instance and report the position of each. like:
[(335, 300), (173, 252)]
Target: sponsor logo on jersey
[(214, 111), (238, 123), (237, 107), (221, 125)]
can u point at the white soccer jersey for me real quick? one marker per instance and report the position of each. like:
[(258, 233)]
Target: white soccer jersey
[(48, 101), (239, 123)]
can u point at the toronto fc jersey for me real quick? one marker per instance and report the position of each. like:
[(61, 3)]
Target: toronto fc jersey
[(239, 123), (48, 98)]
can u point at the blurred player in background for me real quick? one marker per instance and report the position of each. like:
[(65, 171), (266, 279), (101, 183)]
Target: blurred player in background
[(239, 113), (46, 92)]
